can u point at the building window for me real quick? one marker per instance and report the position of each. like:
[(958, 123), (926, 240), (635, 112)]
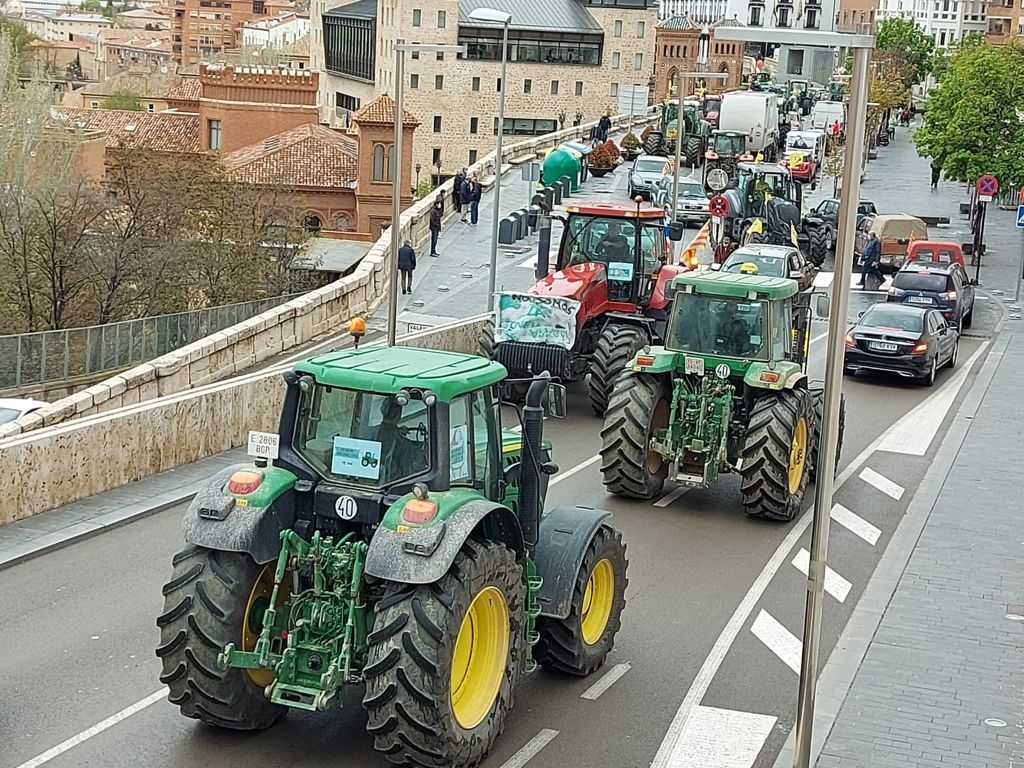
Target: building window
[(94, 104), (440, 56), (618, 28), (579, 87), (435, 156), (638, 61), (438, 82), (811, 20), (150, 108), (518, 126), (641, 28), (381, 163), (616, 60), (613, 90), (526, 46), (414, 81), (527, 86), (214, 127), (442, 19), (497, 85), (554, 87), (476, 83), (783, 15), (437, 123), (756, 16), (472, 156), (474, 125), (417, 17), (414, 55)]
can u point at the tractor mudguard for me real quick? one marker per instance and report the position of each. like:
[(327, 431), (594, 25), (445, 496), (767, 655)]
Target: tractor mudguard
[(424, 553), (565, 534), (782, 374), (219, 520)]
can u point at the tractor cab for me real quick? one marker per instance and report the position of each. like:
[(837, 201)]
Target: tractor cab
[(758, 184), (728, 144)]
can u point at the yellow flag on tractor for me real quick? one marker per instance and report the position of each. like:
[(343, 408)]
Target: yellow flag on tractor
[(756, 227), (792, 235), (691, 253)]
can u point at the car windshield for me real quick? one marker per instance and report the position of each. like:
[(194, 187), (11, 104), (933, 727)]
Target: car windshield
[(360, 438), (888, 317), (8, 415), (712, 325), (769, 266), (650, 166), (920, 281), (691, 189)]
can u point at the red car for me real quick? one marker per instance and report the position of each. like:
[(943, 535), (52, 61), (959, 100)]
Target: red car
[(935, 252)]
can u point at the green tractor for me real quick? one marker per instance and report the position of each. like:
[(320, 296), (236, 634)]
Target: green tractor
[(696, 132), (727, 393), (428, 573)]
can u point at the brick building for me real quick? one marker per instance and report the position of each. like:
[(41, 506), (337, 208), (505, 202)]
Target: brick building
[(203, 29), (568, 62), (120, 50), (857, 16), (676, 41)]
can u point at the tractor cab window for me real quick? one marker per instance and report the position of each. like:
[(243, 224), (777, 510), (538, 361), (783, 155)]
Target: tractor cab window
[(604, 240), (712, 325), (671, 111), (361, 438), (782, 323), (758, 188), (473, 442), (730, 146)]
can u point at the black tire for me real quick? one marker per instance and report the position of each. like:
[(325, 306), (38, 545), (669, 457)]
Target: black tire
[(485, 346), (951, 363), (756, 237), (205, 605), (818, 237), (969, 317), (929, 378), (638, 405), (615, 347), (564, 646), (409, 666), (818, 396), (653, 143), (766, 483), (693, 150)]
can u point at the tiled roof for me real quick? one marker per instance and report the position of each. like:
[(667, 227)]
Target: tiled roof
[(685, 22), (307, 156), (566, 16), (381, 111), (189, 89), (161, 132), (147, 85)]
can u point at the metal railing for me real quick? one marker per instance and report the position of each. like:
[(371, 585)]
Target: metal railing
[(30, 359)]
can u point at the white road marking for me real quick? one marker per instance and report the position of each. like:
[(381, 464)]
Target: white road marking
[(722, 738), (607, 681), (918, 429), (882, 483), (835, 584), (570, 472), (530, 263), (530, 749), (778, 639), (669, 498), (856, 524), (95, 730), (823, 279)]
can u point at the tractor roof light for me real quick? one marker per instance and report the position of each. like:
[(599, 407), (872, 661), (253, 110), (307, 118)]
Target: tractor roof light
[(402, 397), (429, 398), (244, 481)]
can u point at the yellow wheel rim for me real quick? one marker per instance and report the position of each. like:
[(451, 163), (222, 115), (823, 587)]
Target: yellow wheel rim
[(252, 622), (480, 658), (597, 601), (798, 455)]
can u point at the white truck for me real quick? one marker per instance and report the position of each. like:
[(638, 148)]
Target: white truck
[(825, 113), (755, 114)]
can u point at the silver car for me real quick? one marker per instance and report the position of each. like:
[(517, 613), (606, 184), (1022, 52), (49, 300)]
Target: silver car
[(692, 206), (647, 170)]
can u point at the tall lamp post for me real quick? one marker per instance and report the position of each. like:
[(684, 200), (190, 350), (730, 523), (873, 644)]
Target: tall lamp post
[(396, 169), (492, 16), (848, 197)]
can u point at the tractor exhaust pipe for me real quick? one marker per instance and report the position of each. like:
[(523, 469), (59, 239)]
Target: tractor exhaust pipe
[(543, 246), (529, 476)]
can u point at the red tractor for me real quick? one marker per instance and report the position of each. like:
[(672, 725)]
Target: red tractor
[(604, 301)]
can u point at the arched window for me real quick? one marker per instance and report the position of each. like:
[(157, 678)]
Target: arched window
[(379, 163), (312, 223), (341, 222), (388, 170)]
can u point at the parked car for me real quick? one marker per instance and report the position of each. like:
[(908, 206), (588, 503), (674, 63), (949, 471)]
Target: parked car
[(896, 231), (646, 170), (935, 252), (825, 113), (692, 206), (825, 215), (945, 287), (11, 409), (772, 261), (805, 154), (911, 341)]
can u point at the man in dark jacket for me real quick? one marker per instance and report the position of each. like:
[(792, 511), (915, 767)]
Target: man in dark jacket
[(406, 265), (471, 198), (870, 260), (460, 179), (604, 127), (436, 216)]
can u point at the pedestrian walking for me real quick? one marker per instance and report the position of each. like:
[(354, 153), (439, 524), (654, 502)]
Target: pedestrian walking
[(936, 173), (870, 260), (436, 216), (471, 199), (604, 127), (406, 266), (460, 177)]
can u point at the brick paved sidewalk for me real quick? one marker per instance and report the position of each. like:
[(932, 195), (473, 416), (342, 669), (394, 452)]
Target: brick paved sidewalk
[(942, 682)]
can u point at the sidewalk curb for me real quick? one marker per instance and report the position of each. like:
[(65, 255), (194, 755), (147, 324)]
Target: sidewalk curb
[(839, 672)]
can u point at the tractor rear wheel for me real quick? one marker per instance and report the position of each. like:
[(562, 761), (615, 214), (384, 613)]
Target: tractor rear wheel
[(639, 406), (485, 346), (215, 598), (820, 243), (444, 660), (818, 395), (776, 453), (654, 143), (616, 346), (579, 643), (693, 150)]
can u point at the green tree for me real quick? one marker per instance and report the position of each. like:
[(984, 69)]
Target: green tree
[(907, 48), (123, 99), (74, 70), (973, 123), (18, 37)]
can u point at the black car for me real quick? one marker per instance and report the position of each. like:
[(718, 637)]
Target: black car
[(945, 287), (903, 339)]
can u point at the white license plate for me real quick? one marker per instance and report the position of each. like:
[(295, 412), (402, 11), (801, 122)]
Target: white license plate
[(883, 346), (920, 300)]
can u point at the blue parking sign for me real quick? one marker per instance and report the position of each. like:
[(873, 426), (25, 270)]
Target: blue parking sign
[(1020, 216)]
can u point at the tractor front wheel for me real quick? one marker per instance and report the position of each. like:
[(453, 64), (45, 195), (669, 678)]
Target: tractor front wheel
[(776, 455), (444, 660), (638, 407), (579, 643), (653, 144), (616, 346), (693, 149), (485, 346), (215, 598)]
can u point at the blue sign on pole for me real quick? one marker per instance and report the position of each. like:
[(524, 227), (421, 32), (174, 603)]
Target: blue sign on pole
[(1020, 216)]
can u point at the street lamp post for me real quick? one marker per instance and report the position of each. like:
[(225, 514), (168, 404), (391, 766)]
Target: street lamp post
[(418, 169), (861, 45), (396, 170), (492, 16)]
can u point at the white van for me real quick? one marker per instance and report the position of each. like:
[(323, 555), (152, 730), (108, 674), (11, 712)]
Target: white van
[(825, 113)]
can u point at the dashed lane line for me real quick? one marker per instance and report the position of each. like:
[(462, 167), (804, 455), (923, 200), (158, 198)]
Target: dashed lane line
[(607, 681), (530, 749), (669, 498), (723, 738), (778, 639), (856, 524), (570, 472), (835, 584), (890, 488)]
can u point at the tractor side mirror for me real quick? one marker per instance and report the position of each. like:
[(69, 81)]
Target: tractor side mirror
[(822, 305), (675, 231), (554, 403)]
